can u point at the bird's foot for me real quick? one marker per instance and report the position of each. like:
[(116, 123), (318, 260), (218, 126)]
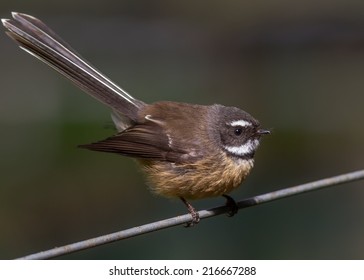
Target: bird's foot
[(231, 203), (194, 214)]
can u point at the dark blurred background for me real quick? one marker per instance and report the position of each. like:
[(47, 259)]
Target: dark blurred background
[(297, 66)]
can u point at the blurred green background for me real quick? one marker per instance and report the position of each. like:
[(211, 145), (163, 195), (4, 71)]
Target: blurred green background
[(297, 66)]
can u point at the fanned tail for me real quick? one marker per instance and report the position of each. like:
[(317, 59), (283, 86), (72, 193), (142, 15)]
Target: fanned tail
[(39, 40)]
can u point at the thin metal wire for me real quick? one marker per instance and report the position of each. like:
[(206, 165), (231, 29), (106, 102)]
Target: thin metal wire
[(183, 219)]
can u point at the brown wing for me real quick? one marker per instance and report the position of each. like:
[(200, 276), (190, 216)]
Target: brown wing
[(168, 131), (141, 141)]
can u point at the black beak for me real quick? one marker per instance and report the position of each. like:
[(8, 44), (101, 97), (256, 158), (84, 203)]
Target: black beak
[(263, 131)]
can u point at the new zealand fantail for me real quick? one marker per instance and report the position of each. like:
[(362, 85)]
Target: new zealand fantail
[(187, 151)]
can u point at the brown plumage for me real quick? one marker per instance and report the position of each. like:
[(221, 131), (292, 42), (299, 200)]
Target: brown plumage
[(188, 151), (207, 177)]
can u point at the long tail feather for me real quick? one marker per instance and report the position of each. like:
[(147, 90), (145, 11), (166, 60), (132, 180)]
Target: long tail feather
[(39, 40)]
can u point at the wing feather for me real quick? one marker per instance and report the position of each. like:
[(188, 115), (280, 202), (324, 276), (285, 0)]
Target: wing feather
[(141, 141)]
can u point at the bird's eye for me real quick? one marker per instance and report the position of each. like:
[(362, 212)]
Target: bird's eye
[(238, 131)]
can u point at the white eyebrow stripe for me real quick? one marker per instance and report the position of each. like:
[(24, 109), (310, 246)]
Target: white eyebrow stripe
[(244, 149), (240, 123)]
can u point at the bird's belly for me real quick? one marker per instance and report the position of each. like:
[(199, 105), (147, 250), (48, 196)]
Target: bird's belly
[(201, 179)]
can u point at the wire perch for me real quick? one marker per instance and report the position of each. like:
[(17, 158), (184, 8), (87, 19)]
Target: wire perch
[(179, 220)]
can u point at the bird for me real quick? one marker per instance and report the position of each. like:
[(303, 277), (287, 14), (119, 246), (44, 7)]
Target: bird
[(187, 151)]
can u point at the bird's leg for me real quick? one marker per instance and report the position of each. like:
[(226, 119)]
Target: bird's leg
[(193, 212), (231, 203)]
